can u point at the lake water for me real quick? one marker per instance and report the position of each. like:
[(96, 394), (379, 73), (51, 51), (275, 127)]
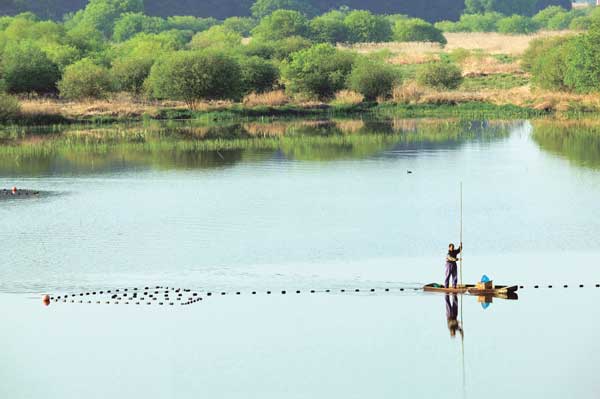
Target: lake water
[(308, 214)]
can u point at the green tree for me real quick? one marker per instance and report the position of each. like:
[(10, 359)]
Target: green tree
[(440, 75), (130, 24), (241, 25), (319, 71), (262, 8), (543, 16), (192, 23), (102, 14), (9, 108), (582, 70), (329, 28), (517, 24), (373, 79), (417, 30), (217, 37), (194, 76), (281, 24), (506, 7), (539, 47), (61, 55), (487, 22), (129, 74), (26, 68), (84, 79), (365, 27), (548, 69), (258, 74)]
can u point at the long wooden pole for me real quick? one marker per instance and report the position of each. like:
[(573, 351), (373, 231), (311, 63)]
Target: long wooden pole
[(461, 232)]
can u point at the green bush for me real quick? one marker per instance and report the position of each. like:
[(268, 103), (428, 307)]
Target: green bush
[(487, 22), (440, 75), (448, 26), (263, 8), (84, 79), (319, 71), (329, 28), (130, 73), (177, 77), (281, 24), (364, 27), (191, 23), (26, 68), (582, 71), (130, 24), (284, 48), (560, 21), (216, 36), (539, 47), (544, 16), (548, 69), (241, 25), (517, 24), (580, 23), (9, 108), (373, 79), (417, 30), (258, 74)]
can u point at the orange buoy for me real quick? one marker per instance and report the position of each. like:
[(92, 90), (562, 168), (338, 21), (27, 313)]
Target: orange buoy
[(14, 190), (46, 299)]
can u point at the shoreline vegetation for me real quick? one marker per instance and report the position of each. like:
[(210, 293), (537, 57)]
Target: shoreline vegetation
[(99, 67)]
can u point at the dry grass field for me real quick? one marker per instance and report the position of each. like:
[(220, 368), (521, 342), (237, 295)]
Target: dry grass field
[(488, 42)]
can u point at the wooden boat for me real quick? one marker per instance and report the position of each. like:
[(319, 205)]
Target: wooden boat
[(473, 289)]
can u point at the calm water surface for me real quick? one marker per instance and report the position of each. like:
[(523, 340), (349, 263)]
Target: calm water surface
[(316, 215)]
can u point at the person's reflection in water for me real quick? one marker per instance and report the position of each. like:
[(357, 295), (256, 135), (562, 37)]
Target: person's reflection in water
[(452, 315)]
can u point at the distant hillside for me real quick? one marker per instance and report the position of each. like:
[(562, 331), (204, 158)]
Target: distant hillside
[(432, 10)]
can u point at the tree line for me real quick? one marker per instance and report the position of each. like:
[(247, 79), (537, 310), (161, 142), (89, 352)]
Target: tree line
[(112, 46), (430, 10)]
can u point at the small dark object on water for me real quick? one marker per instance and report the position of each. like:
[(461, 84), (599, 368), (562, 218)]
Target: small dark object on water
[(312, 291), (549, 286), (372, 289), (283, 292), (536, 286), (409, 172), (580, 285), (565, 286)]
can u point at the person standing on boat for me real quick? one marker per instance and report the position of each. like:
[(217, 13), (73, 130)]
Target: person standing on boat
[(451, 267)]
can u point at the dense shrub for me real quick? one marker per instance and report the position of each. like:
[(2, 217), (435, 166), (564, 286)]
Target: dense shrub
[(284, 48), (560, 21), (417, 30), (130, 24), (216, 36), (102, 14), (580, 23), (543, 16), (517, 24), (487, 22), (26, 68), (281, 24), (9, 108), (241, 25), (440, 75), (537, 48), (364, 27), (582, 71), (130, 73), (319, 71), (61, 55), (176, 77), (262, 8), (258, 74), (373, 79), (549, 67), (329, 28), (192, 23), (84, 79)]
